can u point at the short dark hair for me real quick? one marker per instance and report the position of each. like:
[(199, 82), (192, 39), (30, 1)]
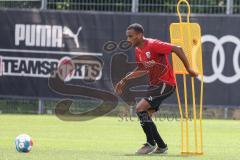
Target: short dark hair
[(136, 27)]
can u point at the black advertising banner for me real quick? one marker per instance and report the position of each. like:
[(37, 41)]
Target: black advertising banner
[(33, 44)]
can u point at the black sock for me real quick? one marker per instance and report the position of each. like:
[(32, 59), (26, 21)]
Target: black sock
[(150, 129), (146, 126), (157, 137)]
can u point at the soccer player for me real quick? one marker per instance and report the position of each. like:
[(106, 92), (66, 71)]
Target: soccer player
[(152, 60)]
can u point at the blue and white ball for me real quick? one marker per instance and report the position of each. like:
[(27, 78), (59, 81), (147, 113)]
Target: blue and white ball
[(23, 143)]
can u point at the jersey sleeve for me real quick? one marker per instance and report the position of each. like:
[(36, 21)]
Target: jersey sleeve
[(160, 47)]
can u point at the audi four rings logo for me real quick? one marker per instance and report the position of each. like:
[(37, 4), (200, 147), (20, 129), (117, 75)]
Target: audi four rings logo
[(218, 51)]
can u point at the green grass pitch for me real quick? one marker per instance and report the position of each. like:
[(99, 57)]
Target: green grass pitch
[(109, 138)]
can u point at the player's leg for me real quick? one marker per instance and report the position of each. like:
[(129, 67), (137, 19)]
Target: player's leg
[(144, 111), (147, 109), (155, 104), (145, 121)]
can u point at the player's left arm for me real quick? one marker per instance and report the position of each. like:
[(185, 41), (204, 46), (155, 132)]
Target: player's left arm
[(180, 53)]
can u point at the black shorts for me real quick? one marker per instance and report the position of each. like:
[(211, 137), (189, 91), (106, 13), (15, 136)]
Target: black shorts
[(156, 94)]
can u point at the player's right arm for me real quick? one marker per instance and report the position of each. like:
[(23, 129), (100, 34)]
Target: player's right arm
[(134, 74)]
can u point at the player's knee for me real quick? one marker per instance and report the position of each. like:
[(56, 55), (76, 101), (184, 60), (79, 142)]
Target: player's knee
[(139, 109)]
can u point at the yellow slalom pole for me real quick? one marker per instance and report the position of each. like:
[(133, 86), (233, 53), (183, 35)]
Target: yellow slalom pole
[(185, 88), (201, 105), (194, 115), (189, 35), (186, 112), (200, 116), (181, 114), (184, 76)]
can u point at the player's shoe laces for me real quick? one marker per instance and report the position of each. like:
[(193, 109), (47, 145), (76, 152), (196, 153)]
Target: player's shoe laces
[(160, 150), (146, 148)]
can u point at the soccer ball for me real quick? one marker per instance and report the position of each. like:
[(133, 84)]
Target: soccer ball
[(23, 143)]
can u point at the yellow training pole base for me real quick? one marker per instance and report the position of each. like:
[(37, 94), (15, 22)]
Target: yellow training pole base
[(192, 153)]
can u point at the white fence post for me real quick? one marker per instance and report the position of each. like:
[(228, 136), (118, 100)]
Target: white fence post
[(43, 4), (229, 7), (135, 5), (41, 106)]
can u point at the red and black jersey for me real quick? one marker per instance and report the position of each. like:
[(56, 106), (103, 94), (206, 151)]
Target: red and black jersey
[(156, 51)]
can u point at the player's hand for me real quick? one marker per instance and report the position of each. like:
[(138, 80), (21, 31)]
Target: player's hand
[(119, 86), (192, 72)]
